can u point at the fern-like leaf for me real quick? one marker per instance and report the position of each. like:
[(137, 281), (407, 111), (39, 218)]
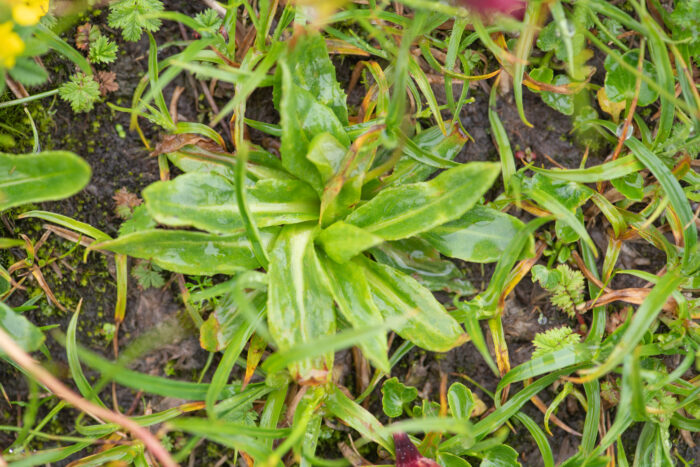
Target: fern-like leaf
[(81, 91), (132, 17), (102, 50), (554, 339), (565, 284)]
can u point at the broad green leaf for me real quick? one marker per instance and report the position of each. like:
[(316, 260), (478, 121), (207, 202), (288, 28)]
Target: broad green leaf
[(563, 103), (549, 39), (23, 332), (260, 164), (620, 84), (564, 232), (313, 71), (420, 260), (226, 321), (569, 194), (432, 140), (302, 119), (397, 295), (33, 178), (299, 306), (445, 459), (395, 395), (460, 400), (343, 241), (407, 210), (481, 235), (542, 74), (500, 456), (207, 201), (189, 252), (609, 170), (327, 154), (631, 186), (425, 156), (192, 159), (343, 190), (351, 293)]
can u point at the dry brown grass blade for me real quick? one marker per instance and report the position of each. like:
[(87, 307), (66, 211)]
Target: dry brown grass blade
[(635, 296), (26, 362), (543, 408), (39, 277), (587, 272), (519, 272), (72, 236)]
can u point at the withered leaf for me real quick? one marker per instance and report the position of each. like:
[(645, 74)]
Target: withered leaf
[(172, 143), (107, 81)]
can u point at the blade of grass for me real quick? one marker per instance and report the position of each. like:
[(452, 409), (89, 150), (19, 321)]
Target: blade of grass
[(641, 321), (501, 138), (524, 48), (76, 370)]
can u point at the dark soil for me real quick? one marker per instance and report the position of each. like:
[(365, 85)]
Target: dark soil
[(123, 162)]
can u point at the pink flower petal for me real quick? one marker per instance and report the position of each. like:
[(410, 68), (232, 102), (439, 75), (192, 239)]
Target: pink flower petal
[(407, 454), (515, 8)]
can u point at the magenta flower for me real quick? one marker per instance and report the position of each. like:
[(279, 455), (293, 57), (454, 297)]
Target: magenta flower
[(407, 454), (514, 8)]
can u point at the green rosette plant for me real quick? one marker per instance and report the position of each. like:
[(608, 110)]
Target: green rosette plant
[(336, 238)]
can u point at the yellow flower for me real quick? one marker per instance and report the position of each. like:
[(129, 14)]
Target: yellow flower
[(11, 45), (28, 12)]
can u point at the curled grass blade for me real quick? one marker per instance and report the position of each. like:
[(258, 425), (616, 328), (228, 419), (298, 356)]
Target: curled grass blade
[(67, 222), (76, 370)]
